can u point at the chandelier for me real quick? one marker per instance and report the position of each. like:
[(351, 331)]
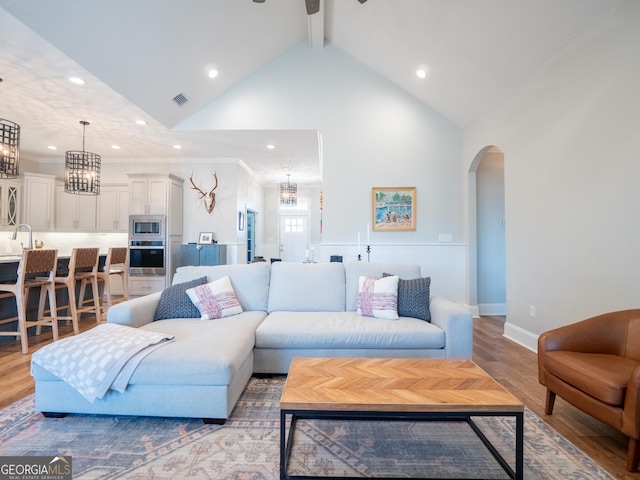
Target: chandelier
[(82, 170), (9, 148), (288, 193)]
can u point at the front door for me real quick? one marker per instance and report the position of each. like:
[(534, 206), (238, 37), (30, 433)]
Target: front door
[(294, 237)]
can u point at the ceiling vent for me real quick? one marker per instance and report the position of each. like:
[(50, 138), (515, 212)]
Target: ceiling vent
[(180, 99)]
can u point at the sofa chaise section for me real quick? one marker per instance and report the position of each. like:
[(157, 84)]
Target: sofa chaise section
[(200, 374)]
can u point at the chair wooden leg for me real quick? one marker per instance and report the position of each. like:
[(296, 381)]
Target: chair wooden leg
[(22, 321), (41, 304), (71, 288), (633, 455), (551, 400), (125, 286), (83, 287), (107, 291), (51, 290), (96, 299)]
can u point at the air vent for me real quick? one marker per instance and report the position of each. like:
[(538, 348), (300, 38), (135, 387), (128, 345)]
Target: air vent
[(180, 99)]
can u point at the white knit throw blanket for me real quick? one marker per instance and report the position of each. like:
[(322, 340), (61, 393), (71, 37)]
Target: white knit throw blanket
[(99, 359)]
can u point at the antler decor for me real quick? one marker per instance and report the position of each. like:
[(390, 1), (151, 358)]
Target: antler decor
[(209, 197)]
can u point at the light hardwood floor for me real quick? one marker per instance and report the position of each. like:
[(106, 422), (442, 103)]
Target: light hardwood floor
[(512, 365)]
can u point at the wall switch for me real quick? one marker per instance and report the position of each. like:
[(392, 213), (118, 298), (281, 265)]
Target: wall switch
[(532, 311), (445, 237)]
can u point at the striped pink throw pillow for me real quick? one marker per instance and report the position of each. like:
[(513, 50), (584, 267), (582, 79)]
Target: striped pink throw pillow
[(216, 299), (378, 298)]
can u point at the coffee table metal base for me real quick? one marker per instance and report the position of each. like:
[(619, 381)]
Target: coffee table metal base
[(287, 440)]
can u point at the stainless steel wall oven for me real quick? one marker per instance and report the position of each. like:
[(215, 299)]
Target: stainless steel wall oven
[(147, 242)]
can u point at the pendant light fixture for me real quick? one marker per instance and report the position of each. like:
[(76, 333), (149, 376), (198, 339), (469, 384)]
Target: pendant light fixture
[(9, 148), (288, 193), (82, 170)]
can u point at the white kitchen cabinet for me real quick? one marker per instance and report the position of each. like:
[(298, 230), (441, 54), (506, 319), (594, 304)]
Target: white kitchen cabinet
[(75, 213), (146, 284), (10, 198), (38, 196), (148, 194), (157, 194), (113, 208)]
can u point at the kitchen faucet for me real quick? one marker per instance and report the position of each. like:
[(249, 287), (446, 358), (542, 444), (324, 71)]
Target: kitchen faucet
[(28, 227)]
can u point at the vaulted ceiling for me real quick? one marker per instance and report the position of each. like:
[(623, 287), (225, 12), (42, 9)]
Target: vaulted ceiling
[(137, 55)]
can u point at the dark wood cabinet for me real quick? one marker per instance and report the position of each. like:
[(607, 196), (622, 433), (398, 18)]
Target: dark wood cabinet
[(195, 254)]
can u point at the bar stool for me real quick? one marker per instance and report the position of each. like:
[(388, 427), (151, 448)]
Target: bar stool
[(117, 263), (33, 262), (83, 267)]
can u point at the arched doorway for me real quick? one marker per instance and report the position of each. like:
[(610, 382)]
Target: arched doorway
[(487, 259)]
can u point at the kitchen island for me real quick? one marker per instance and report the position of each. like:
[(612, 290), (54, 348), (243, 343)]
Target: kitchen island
[(9, 273)]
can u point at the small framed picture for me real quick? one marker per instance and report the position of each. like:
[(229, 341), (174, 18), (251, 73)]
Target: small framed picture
[(205, 237), (240, 221)]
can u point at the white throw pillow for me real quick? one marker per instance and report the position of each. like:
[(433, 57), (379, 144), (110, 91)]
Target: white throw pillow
[(378, 298), (216, 299)]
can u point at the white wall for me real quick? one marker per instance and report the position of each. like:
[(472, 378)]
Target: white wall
[(373, 135), (571, 148)]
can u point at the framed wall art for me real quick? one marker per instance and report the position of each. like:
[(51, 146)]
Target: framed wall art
[(393, 209)]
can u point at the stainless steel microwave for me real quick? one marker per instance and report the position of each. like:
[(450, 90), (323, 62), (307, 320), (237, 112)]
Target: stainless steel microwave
[(147, 227)]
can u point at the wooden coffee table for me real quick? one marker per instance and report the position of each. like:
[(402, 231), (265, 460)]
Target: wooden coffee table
[(392, 389)]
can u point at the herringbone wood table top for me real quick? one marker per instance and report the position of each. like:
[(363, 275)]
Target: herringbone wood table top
[(393, 385)]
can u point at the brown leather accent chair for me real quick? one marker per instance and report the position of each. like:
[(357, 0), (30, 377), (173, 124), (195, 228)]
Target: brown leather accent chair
[(595, 366)]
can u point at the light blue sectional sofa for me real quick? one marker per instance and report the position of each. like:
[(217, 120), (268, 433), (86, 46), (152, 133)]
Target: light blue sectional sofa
[(290, 309)]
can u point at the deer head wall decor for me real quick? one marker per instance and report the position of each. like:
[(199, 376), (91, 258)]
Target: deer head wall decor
[(209, 197)]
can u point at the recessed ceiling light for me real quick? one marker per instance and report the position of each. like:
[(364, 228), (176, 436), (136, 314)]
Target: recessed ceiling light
[(423, 72), (177, 147), (115, 147), (141, 122), (271, 147), (213, 73), (77, 81), (52, 147)]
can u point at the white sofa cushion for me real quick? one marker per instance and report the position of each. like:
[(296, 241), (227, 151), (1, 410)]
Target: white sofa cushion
[(203, 353), (346, 330), (307, 287), (250, 281)]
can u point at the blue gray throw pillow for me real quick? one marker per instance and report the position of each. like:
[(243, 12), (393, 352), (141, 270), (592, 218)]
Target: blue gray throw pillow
[(175, 303), (413, 298)]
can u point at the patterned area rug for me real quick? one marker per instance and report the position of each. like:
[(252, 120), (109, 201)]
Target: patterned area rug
[(247, 446)]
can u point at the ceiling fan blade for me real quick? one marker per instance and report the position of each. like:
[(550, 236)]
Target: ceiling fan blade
[(313, 6), (258, 1), (361, 1)]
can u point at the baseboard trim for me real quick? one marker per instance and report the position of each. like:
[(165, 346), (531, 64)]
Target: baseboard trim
[(521, 336), (492, 308)]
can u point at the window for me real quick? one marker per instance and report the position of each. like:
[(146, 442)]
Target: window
[(294, 225)]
